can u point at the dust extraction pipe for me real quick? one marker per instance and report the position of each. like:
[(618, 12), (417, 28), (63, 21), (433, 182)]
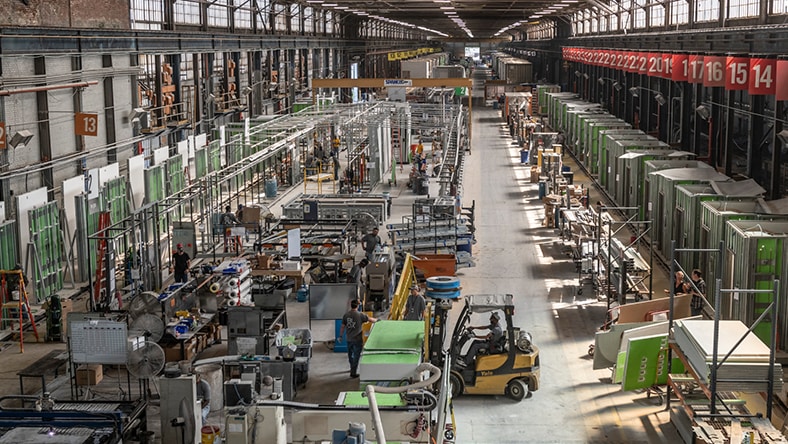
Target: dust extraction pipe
[(8, 92)]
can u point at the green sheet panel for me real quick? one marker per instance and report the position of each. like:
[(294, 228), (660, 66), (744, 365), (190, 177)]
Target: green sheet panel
[(8, 254), (396, 335), (360, 399), (201, 163), (46, 236), (645, 364)]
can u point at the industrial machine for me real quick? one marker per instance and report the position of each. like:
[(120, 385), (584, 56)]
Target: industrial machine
[(378, 282), (513, 372)]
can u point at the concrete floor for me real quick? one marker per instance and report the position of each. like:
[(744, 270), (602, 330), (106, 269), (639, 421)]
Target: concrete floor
[(514, 254)]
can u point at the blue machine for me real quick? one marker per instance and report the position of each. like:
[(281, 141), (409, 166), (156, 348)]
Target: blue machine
[(355, 434)]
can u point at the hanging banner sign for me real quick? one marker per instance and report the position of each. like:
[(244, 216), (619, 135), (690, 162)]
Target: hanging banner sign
[(713, 71), (680, 67), (695, 69), (762, 75), (642, 66), (654, 64), (737, 71), (667, 65), (613, 62), (781, 89)]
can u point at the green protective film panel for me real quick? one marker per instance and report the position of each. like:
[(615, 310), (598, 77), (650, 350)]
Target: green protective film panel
[(390, 358), (645, 361), (768, 264), (396, 335), (46, 236), (8, 257), (360, 399), (201, 162), (618, 375), (114, 196), (215, 156), (174, 177)]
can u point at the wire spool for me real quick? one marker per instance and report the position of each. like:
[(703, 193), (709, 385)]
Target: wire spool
[(443, 294), (233, 282), (443, 283), (215, 288)]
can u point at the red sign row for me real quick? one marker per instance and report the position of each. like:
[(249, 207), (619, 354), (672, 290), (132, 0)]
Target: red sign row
[(757, 75)]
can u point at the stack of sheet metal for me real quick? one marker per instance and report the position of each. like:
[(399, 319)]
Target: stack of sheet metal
[(747, 368)]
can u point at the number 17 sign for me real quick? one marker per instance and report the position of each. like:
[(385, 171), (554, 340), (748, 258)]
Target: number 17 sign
[(86, 124)]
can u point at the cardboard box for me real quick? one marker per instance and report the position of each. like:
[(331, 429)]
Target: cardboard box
[(291, 265), (264, 261), (172, 353), (90, 374)]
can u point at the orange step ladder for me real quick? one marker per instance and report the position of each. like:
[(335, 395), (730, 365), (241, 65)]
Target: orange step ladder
[(21, 305), (98, 285)]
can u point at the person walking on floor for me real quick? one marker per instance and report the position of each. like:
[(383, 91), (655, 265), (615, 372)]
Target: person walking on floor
[(352, 322), (180, 264), (370, 242), (415, 305)]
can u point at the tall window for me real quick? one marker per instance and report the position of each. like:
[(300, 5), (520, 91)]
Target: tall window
[(187, 12), (626, 14), (656, 15), (263, 17), (779, 6), (309, 20), (743, 8), (243, 14), (707, 10), (330, 23), (217, 14), (679, 12), (280, 17), (295, 18), (146, 14), (640, 18)]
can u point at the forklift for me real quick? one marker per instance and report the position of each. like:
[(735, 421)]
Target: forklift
[(513, 371)]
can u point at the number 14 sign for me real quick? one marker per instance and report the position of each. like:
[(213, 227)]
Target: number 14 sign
[(762, 76), (86, 124)]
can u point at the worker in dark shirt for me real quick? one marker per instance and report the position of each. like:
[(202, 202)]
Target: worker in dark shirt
[(491, 341), (370, 242), (352, 321), (180, 264)]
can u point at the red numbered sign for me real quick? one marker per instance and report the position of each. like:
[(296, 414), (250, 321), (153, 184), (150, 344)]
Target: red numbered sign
[(642, 66), (654, 64), (621, 59), (679, 67), (713, 71), (2, 136), (781, 89), (667, 65), (86, 124), (737, 70), (762, 76), (695, 69)]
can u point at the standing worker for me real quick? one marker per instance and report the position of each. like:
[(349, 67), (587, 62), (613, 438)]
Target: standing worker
[(697, 296), (370, 242), (415, 305), (229, 220), (352, 322), (180, 264)]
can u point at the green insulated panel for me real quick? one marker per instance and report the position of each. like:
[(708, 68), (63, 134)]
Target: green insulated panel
[(541, 96), (646, 361), (201, 163), (8, 254), (173, 176), (215, 156), (685, 221), (663, 199), (46, 236), (602, 147), (154, 184), (114, 197), (754, 259), (617, 147), (592, 140), (713, 223)]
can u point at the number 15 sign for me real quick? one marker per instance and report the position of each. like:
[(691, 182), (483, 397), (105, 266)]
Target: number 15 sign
[(86, 124)]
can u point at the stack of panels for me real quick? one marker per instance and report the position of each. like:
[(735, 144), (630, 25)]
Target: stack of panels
[(747, 368)]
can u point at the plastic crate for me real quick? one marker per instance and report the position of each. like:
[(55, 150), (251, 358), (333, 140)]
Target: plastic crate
[(300, 337)]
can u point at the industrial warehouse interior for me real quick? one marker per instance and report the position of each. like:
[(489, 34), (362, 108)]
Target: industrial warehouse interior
[(427, 221)]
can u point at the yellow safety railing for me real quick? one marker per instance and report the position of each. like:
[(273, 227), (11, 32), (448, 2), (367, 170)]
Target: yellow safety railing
[(407, 278)]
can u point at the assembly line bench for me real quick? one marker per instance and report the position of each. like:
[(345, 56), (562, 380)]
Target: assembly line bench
[(48, 364)]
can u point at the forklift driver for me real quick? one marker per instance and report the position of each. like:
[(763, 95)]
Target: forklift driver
[(490, 341)]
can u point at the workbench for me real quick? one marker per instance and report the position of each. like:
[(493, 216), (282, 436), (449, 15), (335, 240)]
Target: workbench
[(48, 364), (297, 275)]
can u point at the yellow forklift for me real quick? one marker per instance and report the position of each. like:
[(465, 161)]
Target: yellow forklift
[(509, 368)]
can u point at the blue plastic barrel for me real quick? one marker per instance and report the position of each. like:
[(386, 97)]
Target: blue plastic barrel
[(303, 294), (270, 188), (524, 156)]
